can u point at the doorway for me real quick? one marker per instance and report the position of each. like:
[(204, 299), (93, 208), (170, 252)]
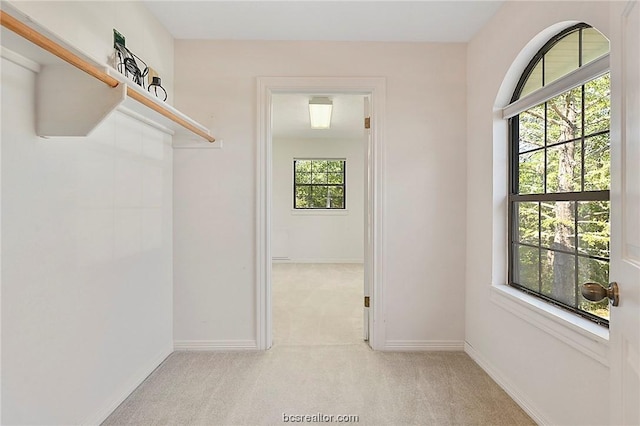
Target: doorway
[(373, 90), (317, 220)]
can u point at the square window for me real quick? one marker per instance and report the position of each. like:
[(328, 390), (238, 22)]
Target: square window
[(319, 184)]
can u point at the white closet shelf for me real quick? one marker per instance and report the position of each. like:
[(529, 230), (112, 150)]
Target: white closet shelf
[(76, 93)]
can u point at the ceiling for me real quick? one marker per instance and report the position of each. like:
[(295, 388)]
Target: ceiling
[(325, 20), (291, 117)]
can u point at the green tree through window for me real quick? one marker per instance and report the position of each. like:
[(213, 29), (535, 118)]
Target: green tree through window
[(560, 179), (319, 184)]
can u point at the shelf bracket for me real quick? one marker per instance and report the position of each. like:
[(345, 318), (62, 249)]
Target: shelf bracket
[(62, 108)]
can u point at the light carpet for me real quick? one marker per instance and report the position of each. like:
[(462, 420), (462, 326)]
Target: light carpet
[(317, 304), (318, 364)]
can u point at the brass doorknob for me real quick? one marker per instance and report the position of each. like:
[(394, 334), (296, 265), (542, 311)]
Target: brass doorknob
[(596, 292)]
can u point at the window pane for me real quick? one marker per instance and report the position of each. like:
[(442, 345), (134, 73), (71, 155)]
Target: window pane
[(319, 197), (531, 128), (564, 116), (303, 194), (534, 82), (564, 168), (335, 178), (319, 178), (302, 177), (558, 225), (594, 45), (593, 228), (558, 276), (593, 271), (303, 165), (562, 58), (320, 166), (528, 229), (526, 267), (336, 197), (597, 158), (335, 166), (531, 173), (597, 105)]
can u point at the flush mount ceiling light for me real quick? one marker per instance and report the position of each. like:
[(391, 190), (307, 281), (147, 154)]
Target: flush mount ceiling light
[(320, 113)]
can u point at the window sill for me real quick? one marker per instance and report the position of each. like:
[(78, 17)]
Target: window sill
[(588, 337), (320, 212)]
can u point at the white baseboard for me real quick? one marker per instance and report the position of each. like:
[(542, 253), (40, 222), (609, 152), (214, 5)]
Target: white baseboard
[(423, 345), (506, 385), (215, 345), (315, 260), (126, 390)]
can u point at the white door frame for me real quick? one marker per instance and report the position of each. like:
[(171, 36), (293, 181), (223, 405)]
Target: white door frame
[(267, 86)]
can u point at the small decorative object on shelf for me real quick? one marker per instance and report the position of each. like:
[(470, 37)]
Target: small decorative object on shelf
[(156, 88), (127, 61)]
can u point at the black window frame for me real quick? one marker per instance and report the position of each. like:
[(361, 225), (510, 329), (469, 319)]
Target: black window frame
[(575, 197), (342, 185)]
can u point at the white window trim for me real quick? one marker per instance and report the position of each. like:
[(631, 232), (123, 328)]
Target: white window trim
[(586, 336), (574, 79), (320, 212)]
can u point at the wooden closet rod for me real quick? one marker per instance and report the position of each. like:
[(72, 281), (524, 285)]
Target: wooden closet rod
[(54, 48), (171, 116), (50, 46)]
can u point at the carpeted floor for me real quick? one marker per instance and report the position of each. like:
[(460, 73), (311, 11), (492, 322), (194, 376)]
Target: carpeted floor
[(317, 304), (318, 364)]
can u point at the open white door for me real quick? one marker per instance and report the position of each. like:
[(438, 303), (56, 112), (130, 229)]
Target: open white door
[(368, 209), (625, 209)]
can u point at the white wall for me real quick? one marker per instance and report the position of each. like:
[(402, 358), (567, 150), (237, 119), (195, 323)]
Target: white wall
[(318, 236), (215, 190), (86, 248), (551, 368)]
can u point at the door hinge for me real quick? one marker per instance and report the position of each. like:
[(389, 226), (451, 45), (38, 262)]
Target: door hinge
[(367, 122), (366, 301)]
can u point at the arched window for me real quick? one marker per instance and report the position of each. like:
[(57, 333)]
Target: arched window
[(560, 172)]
